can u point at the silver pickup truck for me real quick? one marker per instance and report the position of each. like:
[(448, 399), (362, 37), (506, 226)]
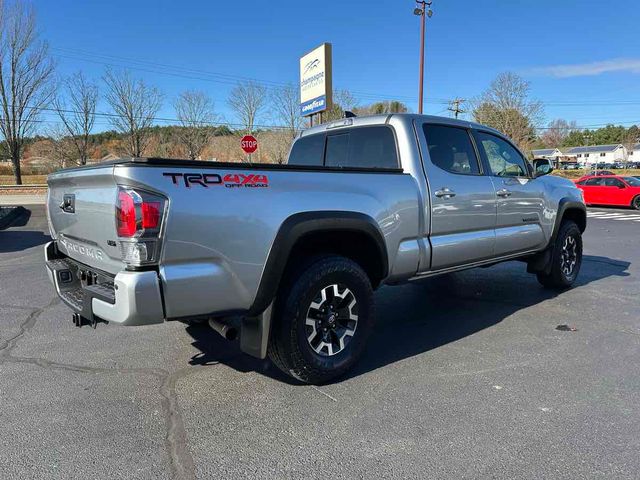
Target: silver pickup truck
[(288, 255)]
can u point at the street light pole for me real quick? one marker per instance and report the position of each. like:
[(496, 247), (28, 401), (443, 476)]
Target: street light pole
[(423, 13)]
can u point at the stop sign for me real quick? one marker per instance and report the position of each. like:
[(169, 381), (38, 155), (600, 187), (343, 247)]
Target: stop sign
[(249, 143)]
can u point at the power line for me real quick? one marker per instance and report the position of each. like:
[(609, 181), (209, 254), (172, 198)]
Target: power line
[(194, 74), (232, 79), (174, 121), (156, 119)]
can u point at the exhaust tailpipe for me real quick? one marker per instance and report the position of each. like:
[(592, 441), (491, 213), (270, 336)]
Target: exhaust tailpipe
[(225, 330)]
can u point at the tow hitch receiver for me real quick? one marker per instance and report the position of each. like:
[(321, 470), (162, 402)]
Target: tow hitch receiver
[(79, 320)]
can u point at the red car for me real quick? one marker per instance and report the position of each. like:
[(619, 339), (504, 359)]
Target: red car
[(610, 190)]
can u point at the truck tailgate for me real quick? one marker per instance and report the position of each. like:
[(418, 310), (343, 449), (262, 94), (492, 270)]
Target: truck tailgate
[(81, 209)]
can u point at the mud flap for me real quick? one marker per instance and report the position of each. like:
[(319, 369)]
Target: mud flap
[(254, 333), (541, 262)]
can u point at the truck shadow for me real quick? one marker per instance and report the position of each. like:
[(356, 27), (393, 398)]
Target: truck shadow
[(15, 239), (424, 315), (18, 240)]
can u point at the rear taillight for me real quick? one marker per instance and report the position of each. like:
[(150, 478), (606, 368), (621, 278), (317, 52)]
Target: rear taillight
[(126, 214), (138, 222), (151, 214)]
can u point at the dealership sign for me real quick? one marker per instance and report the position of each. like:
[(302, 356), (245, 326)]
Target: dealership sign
[(315, 80)]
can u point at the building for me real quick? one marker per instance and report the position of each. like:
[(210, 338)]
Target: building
[(554, 154), (590, 155), (634, 153), (548, 153), (597, 154)]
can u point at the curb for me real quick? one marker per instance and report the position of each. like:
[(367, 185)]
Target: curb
[(12, 216)]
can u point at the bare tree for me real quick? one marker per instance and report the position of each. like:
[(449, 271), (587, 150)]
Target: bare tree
[(557, 132), (248, 100), (26, 71), (79, 114), (196, 113), (135, 105), (343, 100), (506, 106), (385, 106), (61, 146), (285, 103)]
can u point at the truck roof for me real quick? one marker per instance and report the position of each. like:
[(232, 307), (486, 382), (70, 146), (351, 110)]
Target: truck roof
[(384, 118)]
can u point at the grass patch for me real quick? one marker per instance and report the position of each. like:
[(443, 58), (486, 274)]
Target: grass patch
[(26, 179)]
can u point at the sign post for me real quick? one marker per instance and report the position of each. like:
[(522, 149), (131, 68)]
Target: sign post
[(316, 86), (249, 144)]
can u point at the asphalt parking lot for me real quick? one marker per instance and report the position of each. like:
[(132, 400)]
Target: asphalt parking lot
[(465, 377)]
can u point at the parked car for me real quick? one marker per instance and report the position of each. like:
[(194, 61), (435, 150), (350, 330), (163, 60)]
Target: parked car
[(569, 166), (611, 190), (296, 250), (596, 173)]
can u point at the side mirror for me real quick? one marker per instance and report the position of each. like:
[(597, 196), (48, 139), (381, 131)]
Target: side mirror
[(542, 166)]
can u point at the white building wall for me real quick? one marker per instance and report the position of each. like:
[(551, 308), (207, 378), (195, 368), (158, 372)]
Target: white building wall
[(608, 157)]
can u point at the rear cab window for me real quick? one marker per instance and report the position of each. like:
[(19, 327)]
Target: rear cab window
[(308, 151), (369, 147)]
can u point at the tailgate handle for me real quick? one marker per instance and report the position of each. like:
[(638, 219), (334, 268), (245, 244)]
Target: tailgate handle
[(68, 204)]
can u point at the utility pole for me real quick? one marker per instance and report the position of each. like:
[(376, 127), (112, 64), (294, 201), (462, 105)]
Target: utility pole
[(423, 13), (587, 137), (454, 106)]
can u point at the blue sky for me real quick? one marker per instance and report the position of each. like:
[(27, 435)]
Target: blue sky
[(581, 57)]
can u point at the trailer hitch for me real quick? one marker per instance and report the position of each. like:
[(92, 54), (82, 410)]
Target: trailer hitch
[(79, 320)]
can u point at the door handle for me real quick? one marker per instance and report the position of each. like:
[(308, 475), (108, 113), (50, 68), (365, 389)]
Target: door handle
[(503, 193), (445, 193)]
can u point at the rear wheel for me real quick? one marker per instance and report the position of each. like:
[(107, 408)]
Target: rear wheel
[(566, 258), (635, 203), (322, 320)]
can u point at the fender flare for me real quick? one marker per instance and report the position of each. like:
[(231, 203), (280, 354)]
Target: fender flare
[(564, 205), (297, 226), (541, 261)]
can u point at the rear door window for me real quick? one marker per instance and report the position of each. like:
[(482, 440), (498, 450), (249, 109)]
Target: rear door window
[(450, 149), (613, 182)]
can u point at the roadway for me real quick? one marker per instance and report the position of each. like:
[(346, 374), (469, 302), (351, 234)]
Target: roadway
[(466, 376)]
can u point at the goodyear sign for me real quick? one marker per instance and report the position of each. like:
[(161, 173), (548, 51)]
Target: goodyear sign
[(315, 80)]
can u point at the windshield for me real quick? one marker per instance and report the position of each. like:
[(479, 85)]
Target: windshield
[(633, 181)]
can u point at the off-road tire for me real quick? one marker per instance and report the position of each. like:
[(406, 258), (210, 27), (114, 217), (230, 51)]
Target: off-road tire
[(557, 277), (289, 348)]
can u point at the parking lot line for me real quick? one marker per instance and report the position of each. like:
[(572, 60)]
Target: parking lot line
[(614, 216)]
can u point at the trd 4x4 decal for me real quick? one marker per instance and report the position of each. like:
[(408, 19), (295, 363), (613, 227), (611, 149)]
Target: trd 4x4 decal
[(229, 180)]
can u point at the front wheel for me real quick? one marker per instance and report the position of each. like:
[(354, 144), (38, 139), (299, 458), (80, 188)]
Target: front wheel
[(323, 321), (566, 258)]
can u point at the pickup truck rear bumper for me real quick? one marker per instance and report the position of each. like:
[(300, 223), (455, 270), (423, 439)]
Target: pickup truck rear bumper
[(128, 298)]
